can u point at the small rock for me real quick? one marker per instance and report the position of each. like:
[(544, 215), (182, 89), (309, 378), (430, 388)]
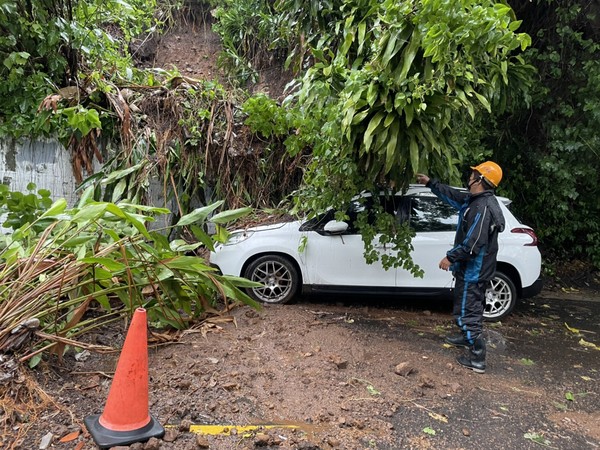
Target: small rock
[(202, 442), (185, 384), (305, 445), (404, 369), (333, 442), (82, 356), (466, 432), (426, 382), (170, 435), (185, 425), (261, 440), (46, 441), (426, 312), (152, 444), (339, 362)]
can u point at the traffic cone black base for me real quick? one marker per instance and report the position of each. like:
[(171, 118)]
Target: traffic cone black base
[(106, 438)]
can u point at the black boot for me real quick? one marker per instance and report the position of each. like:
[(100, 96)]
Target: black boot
[(457, 341), (475, 358)]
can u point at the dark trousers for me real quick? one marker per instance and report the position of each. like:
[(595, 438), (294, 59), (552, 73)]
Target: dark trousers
[(469, 302)]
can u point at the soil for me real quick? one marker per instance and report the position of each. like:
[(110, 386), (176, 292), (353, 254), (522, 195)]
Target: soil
[(339, 372), (347, 373)]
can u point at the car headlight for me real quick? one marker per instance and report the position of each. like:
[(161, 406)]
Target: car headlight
[(238, 236)]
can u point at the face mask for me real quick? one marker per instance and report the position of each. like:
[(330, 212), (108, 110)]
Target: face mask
[(476, 180)]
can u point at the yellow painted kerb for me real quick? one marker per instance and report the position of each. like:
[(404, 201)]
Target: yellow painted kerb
[(226, 430)]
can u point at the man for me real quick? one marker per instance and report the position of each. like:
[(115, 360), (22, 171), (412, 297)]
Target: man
[(473, 257)]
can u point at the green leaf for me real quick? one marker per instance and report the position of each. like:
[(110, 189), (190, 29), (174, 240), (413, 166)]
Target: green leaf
[(86, 197), (179, 245), (119, 189), (91, 211), (222, 234), (58, 207), (372, 390), (537, 438), (35, 360), (409, 113), (76, 241), (243, 282), (199, 214), (201, 235), (118, 174), (114, 209), (373, 124), (414, 155), (484, 102), (109, 263), (409, 55), (144, 208), (392, 145), (362, 27), (230, 215), (187, 263)]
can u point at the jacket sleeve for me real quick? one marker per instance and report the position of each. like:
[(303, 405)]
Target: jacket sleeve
[(478, 224), (447, 194)]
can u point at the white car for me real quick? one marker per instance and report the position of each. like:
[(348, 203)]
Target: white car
[(323, 255)]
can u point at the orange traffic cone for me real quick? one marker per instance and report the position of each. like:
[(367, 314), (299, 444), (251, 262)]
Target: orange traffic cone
[(125, 419)]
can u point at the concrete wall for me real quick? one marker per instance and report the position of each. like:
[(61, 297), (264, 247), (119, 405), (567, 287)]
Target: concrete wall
[(43, 162), (48, 164)]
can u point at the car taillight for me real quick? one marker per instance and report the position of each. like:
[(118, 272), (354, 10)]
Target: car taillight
[(530, 233)]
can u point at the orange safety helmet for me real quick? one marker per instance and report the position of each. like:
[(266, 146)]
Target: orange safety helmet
[(490, 171)]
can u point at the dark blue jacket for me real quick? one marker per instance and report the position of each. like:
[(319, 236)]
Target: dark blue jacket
[(480, 219)]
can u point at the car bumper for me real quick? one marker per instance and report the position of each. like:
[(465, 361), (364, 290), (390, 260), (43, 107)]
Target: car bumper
[(217, 268), (533, 290)]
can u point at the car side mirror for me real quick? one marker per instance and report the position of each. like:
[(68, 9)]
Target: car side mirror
[(335, 227)]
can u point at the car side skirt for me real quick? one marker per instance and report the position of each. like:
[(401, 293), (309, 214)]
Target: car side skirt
[(376, 290)]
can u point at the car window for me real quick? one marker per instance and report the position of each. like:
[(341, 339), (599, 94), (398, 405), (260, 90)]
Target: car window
[(389, 204), (317, 223), (431, 214)]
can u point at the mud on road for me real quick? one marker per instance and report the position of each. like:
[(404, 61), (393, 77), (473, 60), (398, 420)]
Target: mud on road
[(344, 373)]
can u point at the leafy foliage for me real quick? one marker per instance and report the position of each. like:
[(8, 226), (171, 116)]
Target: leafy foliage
[(47, 45), (22, 209), (250, 34), (100, 255), (550, 147), (388, 84)]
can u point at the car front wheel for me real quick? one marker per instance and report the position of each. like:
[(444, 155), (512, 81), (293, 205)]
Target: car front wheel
[(500, 298), (278, 276)]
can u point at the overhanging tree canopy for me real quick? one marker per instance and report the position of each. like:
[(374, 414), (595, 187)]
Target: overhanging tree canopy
[(393, 82)]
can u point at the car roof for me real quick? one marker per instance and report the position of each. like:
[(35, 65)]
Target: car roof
[(420, 190)]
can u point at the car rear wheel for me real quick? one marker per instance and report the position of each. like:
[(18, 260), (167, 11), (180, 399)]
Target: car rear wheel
[(500, 298), (279, 278)]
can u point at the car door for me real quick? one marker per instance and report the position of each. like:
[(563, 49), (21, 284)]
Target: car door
[(435, 225), (338, 259)]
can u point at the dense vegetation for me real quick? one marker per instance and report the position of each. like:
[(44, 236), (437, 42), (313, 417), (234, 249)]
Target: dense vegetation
[(383, 89)]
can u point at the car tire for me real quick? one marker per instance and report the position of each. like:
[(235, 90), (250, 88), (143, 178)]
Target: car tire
[(278, 275), (500, 298)]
